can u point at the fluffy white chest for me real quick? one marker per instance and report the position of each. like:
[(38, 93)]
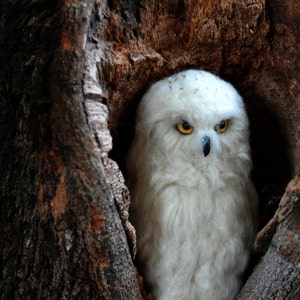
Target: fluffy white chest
[(193, 245)]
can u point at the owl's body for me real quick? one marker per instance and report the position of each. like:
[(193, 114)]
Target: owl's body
[(193, 203)]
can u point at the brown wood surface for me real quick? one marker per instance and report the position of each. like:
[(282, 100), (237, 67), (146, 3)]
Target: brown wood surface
[(71, 75)]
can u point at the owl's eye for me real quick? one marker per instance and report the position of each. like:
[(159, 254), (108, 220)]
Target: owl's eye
[(222, 126), (184, 127)]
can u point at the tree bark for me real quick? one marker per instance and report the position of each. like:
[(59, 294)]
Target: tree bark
[(61, 217), (72, 73), (277, 275)]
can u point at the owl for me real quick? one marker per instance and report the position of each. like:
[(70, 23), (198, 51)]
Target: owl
[(193, 204)]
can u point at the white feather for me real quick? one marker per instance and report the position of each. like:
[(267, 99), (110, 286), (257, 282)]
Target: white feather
[(194, 215)]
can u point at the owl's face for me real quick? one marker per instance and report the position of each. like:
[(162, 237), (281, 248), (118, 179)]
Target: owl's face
[(194, 117)]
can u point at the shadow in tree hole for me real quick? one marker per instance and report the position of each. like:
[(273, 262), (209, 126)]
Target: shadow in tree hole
[(272, 166), (122, 132)]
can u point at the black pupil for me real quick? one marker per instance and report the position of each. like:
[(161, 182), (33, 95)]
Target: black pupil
[(222, 125), (186, 125)]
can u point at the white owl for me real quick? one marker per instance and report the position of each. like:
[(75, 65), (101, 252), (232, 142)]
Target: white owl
[(193, 203)]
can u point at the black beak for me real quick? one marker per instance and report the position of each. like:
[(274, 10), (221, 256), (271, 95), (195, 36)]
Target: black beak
[(206, 145)]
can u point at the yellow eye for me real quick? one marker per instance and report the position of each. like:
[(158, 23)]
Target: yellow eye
[(222, 126), (184, 127)]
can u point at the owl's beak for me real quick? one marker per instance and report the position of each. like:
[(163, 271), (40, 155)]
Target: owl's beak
[(206, 145)]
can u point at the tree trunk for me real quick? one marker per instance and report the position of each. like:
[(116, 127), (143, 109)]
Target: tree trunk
[(62, 234), (277, 275), (72, 73)]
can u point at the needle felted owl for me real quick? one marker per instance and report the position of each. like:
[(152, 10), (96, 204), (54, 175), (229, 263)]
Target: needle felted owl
[(192, 201)]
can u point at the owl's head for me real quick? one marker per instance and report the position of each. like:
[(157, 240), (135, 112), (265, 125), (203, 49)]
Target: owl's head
[(193, 116)]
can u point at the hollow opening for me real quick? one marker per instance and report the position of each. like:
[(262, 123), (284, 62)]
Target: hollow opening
[(270, 154), (269, 146)]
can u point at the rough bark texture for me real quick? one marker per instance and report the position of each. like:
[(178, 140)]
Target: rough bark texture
[(61, 213), (277, 276), (71, 70)]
